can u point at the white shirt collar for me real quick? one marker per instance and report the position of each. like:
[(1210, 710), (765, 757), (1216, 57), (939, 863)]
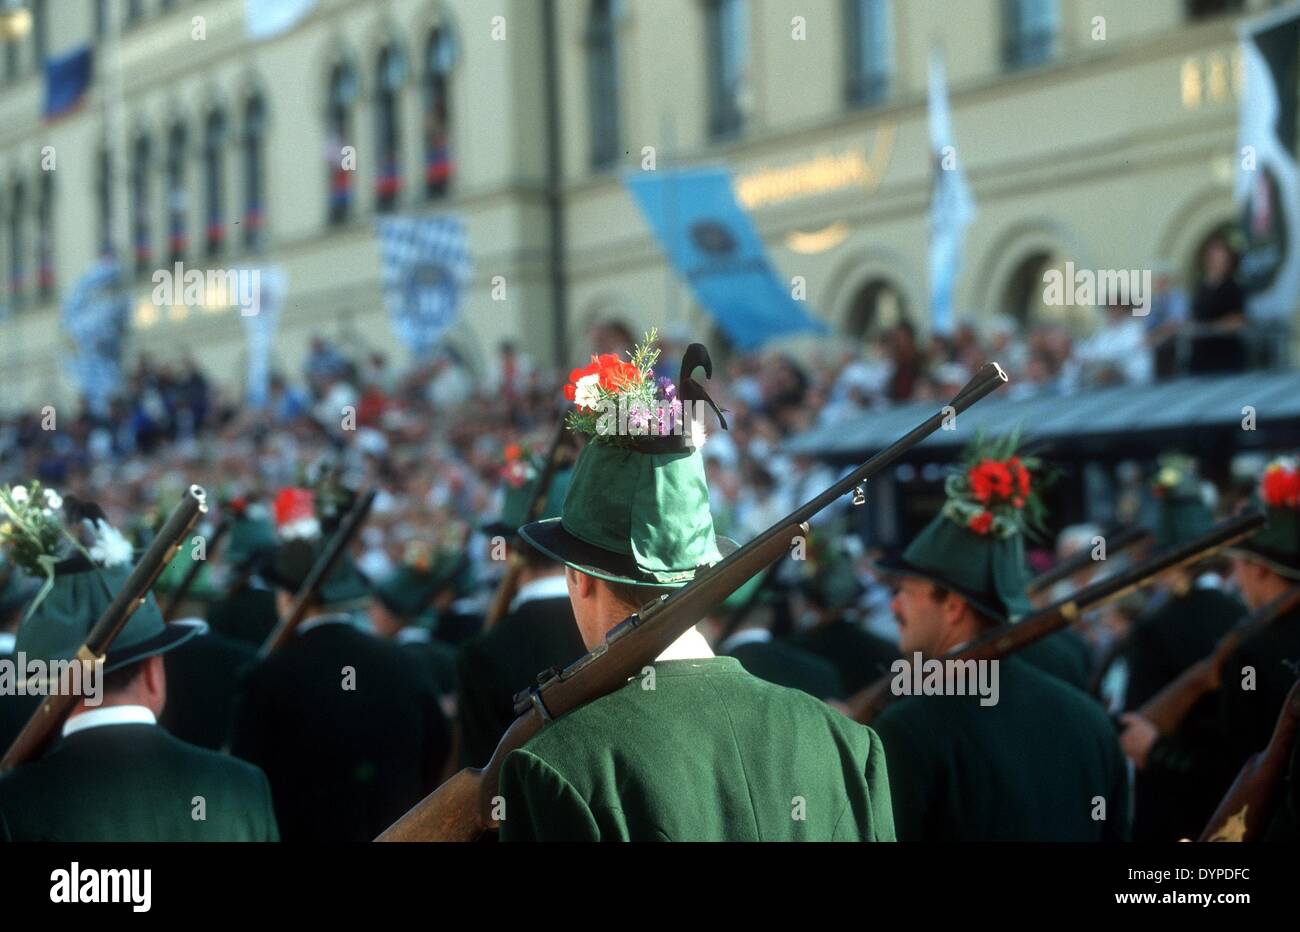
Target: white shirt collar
[(7, 641), (413, 634), (1208, 581), (544, 587), (338, 618), (747, 636), (690, 646), (113, 715)]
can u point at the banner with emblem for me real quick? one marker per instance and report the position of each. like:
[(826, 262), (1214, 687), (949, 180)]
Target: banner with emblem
[(425, 267), (713, 246), (1268, 167), (95, 314)]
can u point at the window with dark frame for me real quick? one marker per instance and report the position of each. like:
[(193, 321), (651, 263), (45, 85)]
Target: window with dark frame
[(214, 171), (338, 116), (439, 60), (727, 34), (390, 75), (869, 52), (603, 83), (1029, 32)]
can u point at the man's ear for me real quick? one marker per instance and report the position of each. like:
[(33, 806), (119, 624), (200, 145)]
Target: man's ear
[(582, 584)]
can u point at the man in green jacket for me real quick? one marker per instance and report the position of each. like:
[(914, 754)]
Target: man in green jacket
[(1025, 756), (693, 747), (113, 773)]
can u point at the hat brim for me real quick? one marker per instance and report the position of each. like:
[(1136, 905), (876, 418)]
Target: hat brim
[(550, 538), (896, 566), (1244, 551), (172, 636)]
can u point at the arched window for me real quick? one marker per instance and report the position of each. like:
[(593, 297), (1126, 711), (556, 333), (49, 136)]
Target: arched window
[(338, 120), (877, 307), (1025, 298), (602, 81), (138, 180), (104, 198), (45, 236), (728, 63), (1029, 32), (254, 156), (390, 74), (176, 194), (869, 51), (17, 240), (439, 59), (214, 181)]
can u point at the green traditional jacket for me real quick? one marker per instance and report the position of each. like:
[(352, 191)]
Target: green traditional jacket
[(1065, 655), (710, 753), (135, 782), (1029, 768)]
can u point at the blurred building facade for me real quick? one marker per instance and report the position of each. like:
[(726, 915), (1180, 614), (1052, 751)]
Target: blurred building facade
[(1099, 132)]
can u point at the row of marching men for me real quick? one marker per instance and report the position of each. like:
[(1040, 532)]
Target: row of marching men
[(369, 706)]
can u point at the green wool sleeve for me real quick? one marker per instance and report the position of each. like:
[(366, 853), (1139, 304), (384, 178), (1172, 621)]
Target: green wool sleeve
[(268, 809), (540, 804), (882, 806)]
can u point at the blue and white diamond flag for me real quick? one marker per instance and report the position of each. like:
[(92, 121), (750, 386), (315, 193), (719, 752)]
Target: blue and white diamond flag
[(425, 266), (95, 314)]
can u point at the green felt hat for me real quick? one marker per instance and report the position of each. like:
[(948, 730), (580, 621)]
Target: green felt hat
[(1277, 544), (250, 539), (201, 590), (345, 587), (514, 506), (986, 570), (409, 589), (633, 516), (80, 593), (834, 586), (975, 545), (1181, 513)]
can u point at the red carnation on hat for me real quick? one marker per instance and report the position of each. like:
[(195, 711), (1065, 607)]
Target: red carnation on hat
[(1280, 487)]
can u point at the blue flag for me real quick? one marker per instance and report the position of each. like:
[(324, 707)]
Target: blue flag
[(95, 312), (951, 206), (67, 77), (425, 266), (259, 330), (710, 241)]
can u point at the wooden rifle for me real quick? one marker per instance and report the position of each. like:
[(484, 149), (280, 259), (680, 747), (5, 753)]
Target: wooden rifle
[(320, 571), (1247, 809), (509, 583), (462, 808), (48, 717), (1168, 708), (1009, 638)]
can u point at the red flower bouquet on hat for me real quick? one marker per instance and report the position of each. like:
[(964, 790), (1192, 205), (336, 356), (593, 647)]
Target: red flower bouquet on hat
[(995, 491), (618, 400), (295, 514), (1280, 485)]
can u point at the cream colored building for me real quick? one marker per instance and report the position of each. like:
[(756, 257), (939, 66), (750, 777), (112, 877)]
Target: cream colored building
[(1096, 131)]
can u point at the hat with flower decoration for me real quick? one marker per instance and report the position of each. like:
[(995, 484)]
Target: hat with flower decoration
[(428, 567), (1182, 503), (975, 546), (637, 507), (520, 476), (300, 525), (82, 562), (251, 537), (1277, 543)]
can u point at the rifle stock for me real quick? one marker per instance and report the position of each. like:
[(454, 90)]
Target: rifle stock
[(640, 638), (286, 626), (1168, 708), (1247, 809), (1007, 639), (49, 716)]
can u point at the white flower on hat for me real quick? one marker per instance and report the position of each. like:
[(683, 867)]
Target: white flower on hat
[(110, 547), (53, 501), (19, 494), (586, 392)]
